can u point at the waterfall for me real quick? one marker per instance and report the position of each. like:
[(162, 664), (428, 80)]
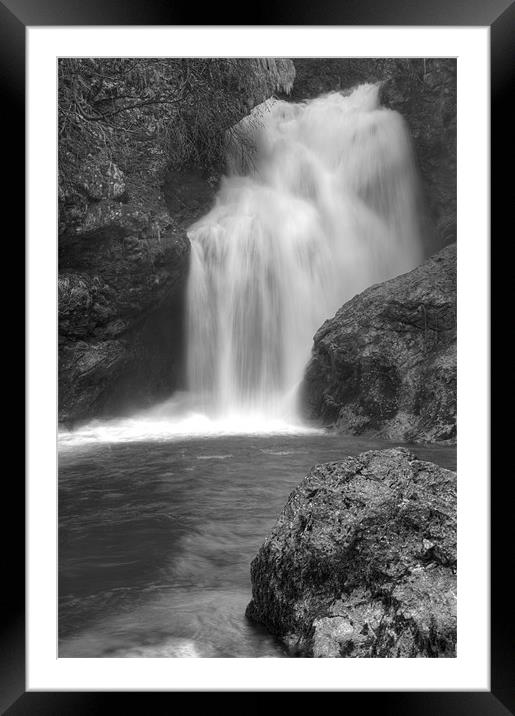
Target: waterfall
[(319, 203)]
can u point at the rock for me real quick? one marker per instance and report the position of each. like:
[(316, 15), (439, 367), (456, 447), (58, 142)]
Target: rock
[(189, 193), (424, 92), (122, 264), (385, 365), (84, 369), (101, 180), (117, 286), (362, 561)]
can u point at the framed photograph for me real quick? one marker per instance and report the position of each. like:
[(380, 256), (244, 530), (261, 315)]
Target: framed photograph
[(257, 359)]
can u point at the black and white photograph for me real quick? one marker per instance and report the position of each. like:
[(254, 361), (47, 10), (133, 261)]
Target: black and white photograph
[(257, 371), (257, 329)]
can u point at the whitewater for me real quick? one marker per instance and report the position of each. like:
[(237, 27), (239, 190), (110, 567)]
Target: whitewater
[(320, 201)]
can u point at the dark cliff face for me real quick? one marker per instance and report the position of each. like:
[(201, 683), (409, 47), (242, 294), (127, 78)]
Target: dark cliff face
[(424, 92), (362, 561), (123, 263), (386, 363), (136, 170)]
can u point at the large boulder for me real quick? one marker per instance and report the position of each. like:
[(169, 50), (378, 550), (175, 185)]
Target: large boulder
[(362, 561), (385, 364)]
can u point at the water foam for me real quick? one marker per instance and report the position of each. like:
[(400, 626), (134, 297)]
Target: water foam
[(172, 420)]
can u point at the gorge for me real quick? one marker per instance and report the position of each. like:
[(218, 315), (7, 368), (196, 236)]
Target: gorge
[(257, 277), (124, 252)]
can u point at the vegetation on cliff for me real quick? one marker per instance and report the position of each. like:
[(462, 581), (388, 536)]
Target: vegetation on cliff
[(144, 113)]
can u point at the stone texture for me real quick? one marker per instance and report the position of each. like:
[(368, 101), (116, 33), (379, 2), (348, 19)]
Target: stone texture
[(123, 261), (385, 364), (362, 561)]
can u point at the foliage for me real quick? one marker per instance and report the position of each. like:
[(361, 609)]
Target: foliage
[(153, 112)]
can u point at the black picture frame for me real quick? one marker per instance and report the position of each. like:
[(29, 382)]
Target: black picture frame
[(15, 16)]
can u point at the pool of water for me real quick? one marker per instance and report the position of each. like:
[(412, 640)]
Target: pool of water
[(156, 538)]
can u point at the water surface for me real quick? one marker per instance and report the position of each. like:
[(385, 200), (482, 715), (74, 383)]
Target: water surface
[(156, 538)]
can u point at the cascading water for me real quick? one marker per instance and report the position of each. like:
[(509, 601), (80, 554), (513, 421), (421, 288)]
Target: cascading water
[(320, 203)]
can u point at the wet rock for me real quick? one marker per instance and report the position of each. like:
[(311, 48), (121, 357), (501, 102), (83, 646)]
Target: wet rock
[(362, 561), (129, 288), (385, 364), (123, 262)]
